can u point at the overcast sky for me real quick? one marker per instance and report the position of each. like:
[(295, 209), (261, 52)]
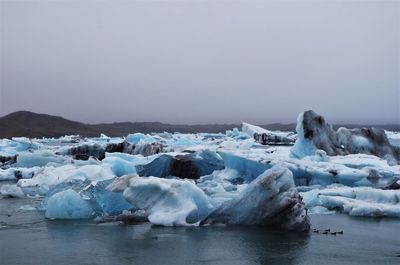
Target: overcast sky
[(201, 61)]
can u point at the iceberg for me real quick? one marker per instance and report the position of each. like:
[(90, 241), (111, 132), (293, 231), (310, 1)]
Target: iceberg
[(39, 159), (98, 149), (315, 133), (265, 136), (52, 176), (11, 191), (357, 201), (67, 205), (168, 202), (15, 173), (96, 196), (271, 199)]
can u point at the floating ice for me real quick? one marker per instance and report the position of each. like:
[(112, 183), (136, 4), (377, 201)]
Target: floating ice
[(15, 173), (26, 208), (358, 201), (51, 176), (67, 205), (40, 159), (140, 137), (120, 166), (11, 191), (268, 137), (100, 200), (167, 202), (315, 133), (271, 199)]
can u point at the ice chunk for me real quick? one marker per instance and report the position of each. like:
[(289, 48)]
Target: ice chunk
[(315, 133), (264, 136), (26, 207), (16, 173), (357, 201), (84, 151), (104, 201), (393, 137), (23, 144), (100, 200), (350, 170), (183, 165), (221, 185), (39, 159), (137, 137), (248, 169), (120, 166), (67, 205), (235, 133), (168, 202), (369, 141), (51, 176), (148, 149), (271, 199), (7, 160), (11, 191)]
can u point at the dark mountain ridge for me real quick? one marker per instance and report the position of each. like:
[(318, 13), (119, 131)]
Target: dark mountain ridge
[(30, 124)]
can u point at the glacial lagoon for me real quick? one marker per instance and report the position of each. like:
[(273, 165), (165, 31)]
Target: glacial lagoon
[(26, 237)]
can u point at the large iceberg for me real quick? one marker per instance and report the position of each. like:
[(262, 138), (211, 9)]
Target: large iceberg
[(271, 199), (314, 133)]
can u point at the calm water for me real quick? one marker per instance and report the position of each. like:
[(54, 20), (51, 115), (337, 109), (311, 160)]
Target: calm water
[(27, 238)]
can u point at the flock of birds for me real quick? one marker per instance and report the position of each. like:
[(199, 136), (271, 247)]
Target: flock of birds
[(328, 232)]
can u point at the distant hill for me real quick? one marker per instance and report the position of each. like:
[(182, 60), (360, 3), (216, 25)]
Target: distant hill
[(30, 124)]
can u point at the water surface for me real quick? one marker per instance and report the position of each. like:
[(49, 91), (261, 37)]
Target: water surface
[(28, 238)]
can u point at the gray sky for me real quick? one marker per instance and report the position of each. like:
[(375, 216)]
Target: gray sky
[(201, 61)]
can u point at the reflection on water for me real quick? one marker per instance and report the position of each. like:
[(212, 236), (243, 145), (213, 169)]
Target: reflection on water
[(144, 243), (27, 238)]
